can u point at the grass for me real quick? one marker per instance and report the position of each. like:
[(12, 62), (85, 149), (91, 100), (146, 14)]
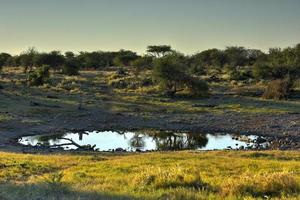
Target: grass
[(169, 175)]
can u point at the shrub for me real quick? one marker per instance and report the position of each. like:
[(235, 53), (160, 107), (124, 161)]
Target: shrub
[(120, 83), (261, 71), (278, 89), (71, 67), (171, 74), (40, 76), (197, 87), (141, 64)]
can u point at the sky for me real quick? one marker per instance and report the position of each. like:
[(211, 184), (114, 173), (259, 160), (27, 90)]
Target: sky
[(189, 26)]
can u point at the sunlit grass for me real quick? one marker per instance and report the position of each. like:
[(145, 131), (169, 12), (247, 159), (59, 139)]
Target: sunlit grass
[(177, 175)]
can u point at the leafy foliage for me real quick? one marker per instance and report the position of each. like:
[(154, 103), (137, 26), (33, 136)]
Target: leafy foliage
[(278, 89), (39, 76), (171, 74), (71, 66), (159, 50)]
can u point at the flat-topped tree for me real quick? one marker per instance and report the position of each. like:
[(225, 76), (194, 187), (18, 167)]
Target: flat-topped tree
[(159, 50)]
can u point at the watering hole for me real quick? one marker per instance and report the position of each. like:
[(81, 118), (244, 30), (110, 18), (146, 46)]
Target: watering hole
[(141, 141)]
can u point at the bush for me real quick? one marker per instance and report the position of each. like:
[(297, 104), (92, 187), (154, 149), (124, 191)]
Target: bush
[(40, 76), (71, 67), (278, 89), (171, 74), (141, 64), (197, 87)]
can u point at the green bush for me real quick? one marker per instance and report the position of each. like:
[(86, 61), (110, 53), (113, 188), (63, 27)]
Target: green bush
[(71, 67), (197, 87), (278, 89), (171, 74), (141, 64), (39, 76)]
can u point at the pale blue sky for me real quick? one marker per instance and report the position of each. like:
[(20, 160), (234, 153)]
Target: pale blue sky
[(188, 25)]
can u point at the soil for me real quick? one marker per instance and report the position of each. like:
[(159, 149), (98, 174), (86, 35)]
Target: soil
[(280, 129)]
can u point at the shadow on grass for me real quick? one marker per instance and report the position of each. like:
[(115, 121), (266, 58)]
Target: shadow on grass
[(49, 192)]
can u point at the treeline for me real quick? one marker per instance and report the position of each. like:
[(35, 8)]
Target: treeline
[(58, 61), (172, 69)]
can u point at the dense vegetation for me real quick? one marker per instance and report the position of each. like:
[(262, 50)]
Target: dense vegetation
[(174, 72)]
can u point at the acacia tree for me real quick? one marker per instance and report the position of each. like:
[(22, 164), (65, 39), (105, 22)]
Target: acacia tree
[(168, 73), (159, 50), (72, 64), (26, 59)]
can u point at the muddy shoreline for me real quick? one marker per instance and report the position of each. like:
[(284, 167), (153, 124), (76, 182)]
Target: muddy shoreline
[(279, 130)]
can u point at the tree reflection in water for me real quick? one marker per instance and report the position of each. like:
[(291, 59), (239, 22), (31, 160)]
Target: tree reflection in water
[(179, 141), (170, 141), (163, 140)]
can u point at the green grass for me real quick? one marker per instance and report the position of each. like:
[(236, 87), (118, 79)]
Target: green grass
[(87, 86), (169, 175)]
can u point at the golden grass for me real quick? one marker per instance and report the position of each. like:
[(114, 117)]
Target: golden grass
[(169, 175)]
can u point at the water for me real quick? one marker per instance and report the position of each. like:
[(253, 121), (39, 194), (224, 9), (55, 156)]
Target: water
[(143, 141)]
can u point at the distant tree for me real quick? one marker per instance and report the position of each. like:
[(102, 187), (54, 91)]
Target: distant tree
[(124, 58), (282, 68), (96, 59), (4, 58), (212, 58), (253, 55), (170, 72), (141, 64), (12, 61), (72, 64), (159, 50), (54, 59), (236, 56), (26, 59)]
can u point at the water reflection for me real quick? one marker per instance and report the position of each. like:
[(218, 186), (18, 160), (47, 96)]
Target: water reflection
[(131, 141)]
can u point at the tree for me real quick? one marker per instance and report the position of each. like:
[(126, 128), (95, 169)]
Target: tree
[(4, 57), (159, 50), (212, 58), (170, 72), (54, 59), (124, 58), (282, 68), (26, 59), (72, 64), (236, 56), (141, 64)]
